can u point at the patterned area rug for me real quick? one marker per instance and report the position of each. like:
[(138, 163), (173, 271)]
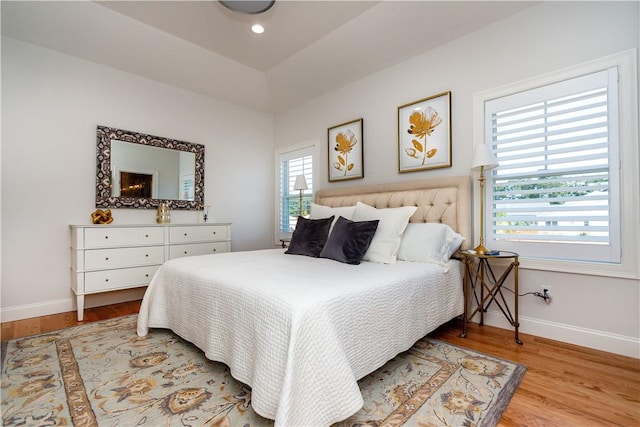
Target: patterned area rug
[(102, 373)]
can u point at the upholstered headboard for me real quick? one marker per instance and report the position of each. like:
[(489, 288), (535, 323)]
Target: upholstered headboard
[(446, 200)]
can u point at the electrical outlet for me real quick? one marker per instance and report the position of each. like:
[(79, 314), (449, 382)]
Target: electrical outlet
[(545, 291)]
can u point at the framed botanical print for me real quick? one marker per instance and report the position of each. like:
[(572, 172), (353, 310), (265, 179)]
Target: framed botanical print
[(344, 145), (424, 134)]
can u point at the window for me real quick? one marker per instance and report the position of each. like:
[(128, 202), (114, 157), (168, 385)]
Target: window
[(558, 192), (291, 164), (555, 145)]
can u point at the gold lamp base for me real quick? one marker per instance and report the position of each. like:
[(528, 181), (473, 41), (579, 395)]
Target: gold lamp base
[(481, 249), (301, 203), (483, 159)]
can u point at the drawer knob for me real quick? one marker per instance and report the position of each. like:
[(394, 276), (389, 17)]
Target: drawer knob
[(146, 275), (214, 249), (106, 237), (106, 280), (146, 235), (185, 234), (147, 255), (106, 259), (185, 252), (214, 232)]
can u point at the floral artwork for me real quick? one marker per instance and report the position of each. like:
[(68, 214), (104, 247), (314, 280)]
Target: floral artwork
[(424, 134), (422, 125), (345, 141), (345, 151)]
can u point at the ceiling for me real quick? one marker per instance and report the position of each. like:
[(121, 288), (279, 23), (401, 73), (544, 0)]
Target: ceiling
[(308, 47)]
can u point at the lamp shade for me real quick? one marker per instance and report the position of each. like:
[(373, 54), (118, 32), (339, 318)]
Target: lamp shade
[(482, 156), (301, 183)]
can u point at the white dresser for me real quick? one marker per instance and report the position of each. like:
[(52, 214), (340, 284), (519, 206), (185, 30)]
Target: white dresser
[(113, 257)]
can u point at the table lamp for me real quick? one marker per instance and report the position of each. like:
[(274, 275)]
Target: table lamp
[(301, 184), (483, 159)]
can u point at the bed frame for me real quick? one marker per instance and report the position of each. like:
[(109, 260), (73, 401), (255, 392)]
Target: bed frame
[(445, 200)]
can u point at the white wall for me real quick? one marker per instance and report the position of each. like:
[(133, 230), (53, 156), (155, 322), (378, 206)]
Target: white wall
[(593, 311), (51, 105)]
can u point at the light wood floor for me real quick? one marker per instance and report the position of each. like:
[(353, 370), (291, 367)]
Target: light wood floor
[(565, 385)]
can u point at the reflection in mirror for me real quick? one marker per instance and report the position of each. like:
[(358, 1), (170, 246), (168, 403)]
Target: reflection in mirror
[(145, 171), (139, 171)]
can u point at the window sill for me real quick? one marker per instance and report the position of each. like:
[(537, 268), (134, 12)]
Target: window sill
[(585, 268)]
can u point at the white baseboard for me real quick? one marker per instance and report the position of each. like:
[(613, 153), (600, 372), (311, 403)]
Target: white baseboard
[(599, 340), (27, 311)]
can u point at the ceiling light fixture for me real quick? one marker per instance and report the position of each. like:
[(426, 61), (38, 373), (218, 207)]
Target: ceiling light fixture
[(257, 28), (248, 7)]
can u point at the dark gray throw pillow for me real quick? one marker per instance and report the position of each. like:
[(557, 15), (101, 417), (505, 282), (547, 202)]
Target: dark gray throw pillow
[(349, 240), (309, 236)]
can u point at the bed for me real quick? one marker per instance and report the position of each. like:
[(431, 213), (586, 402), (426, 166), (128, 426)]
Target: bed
[(302, 330)]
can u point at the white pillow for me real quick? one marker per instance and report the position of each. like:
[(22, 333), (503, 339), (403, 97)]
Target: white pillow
[(386, 242), (429, 242), (321, 211)]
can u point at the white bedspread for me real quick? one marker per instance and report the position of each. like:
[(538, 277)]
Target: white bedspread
[(300, 331)]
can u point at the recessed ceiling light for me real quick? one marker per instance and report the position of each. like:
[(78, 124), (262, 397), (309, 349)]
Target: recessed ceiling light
[(257, 28)]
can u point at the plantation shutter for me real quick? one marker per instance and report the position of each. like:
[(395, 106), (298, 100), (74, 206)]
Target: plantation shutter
[(292, 164), (555, 146)]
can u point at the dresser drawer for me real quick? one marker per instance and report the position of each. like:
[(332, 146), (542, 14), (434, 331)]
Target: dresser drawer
[(113, 237), (201, 233), (99, 259), (98, 281), (177, 251)]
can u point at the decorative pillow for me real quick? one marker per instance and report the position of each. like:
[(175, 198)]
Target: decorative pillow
[(386, 242), (429, 242), (321, 211), (349, 240), (309, 236)]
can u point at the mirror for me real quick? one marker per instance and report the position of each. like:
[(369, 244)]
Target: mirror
[(136, 170)]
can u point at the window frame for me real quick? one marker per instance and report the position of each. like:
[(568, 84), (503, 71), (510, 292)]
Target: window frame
[(308, 146), (626, 63)]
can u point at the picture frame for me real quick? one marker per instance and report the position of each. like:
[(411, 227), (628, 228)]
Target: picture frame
[(424, 134), (345, 151)]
